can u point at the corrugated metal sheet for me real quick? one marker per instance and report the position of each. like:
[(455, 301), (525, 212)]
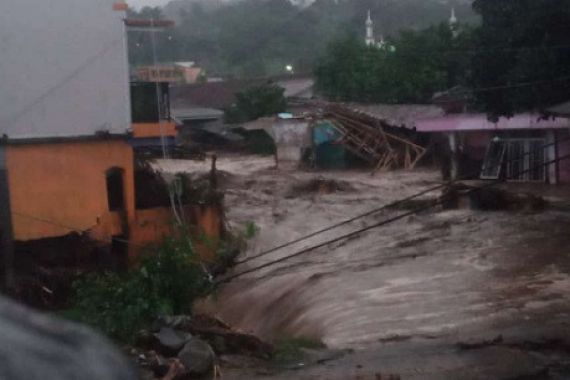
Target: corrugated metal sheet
[(397, 115)]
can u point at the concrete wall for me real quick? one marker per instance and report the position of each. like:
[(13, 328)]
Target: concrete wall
[(65, 184), (63, 70), (291, 136)]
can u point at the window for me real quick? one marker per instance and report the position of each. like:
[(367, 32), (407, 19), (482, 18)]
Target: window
[(523, 160), (493, 163)]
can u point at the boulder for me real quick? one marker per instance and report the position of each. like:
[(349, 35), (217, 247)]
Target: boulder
[(223, 338), (197, 357), (171, 341)]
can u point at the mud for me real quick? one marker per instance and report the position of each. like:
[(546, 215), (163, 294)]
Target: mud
[(402, 296)]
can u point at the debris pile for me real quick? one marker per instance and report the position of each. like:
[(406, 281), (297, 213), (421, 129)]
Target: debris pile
[(374, 140), (182, 347)]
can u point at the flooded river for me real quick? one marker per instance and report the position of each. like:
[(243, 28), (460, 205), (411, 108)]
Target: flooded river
[(403, 296)]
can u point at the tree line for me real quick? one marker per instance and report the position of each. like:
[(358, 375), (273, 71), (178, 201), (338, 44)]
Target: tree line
[(516, 59), (252, 38)]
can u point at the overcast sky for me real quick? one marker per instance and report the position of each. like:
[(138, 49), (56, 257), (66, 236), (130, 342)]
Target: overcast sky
[(141, 3)]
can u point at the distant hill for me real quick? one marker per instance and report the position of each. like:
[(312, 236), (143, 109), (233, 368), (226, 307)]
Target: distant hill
[(260, 37)]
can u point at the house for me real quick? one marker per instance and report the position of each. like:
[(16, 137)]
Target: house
[(214, 95), (67, 176), (514, 148), (296, 86)]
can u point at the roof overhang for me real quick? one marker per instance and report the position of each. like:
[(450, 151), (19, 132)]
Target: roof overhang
[(562, 110), (480, 122), (62, 139)]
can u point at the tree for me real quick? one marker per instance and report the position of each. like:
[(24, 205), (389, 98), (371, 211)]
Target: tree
[(252, 38), (257, 101), (408, 69), (523, 48)]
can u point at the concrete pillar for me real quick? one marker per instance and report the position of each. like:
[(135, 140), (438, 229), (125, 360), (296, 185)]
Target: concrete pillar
[(454, 148), (6, 241), (550, 155)]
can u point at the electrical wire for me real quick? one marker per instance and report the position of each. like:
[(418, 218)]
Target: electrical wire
[(387, 206), (74, 229), (373, 226)]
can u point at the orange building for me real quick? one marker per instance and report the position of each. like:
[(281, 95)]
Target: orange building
[(66, 156), (152, 124)]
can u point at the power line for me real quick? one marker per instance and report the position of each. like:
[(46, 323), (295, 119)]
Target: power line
[(87, 63), (376, 225), (74, 229), (384, 207)]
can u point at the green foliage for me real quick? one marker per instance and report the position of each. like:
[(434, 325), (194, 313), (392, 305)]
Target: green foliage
[(166, 282), (255, 102), (521, 41), (290, 350), (419, 64), (250, 230)]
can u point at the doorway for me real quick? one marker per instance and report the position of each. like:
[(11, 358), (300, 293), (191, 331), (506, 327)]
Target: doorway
[(115, 189)]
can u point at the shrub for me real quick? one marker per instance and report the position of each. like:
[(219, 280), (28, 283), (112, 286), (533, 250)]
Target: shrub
[(166, 282), (250, 230)]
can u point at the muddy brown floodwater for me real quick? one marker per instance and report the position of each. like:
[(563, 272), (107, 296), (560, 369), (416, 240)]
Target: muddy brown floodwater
[(456, 294)]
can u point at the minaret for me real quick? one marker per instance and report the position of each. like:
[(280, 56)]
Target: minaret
[(369, 31), (453, 23)]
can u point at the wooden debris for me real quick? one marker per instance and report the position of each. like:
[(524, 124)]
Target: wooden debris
[(369, 139)]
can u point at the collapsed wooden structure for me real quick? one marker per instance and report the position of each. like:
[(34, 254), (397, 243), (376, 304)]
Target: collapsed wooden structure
[(384, 146)]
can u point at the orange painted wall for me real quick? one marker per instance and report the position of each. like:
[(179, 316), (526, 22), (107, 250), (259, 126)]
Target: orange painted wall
[(152, 226), (65, 183), (142, 130)]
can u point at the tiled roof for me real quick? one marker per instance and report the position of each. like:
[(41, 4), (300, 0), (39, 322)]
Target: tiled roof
[(217, 95)]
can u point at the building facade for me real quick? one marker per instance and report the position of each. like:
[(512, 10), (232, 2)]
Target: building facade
[(66, 121)]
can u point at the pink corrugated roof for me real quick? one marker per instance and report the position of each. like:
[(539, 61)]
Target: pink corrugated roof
[(477, 122)]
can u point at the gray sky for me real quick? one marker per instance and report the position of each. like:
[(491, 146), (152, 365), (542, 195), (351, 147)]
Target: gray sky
[(141, 3)]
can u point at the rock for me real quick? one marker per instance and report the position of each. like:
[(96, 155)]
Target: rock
[(225, 340), (144, 339), (171, 341), (197, 357), (174, 321)]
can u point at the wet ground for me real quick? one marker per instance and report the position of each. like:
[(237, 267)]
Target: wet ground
[(455, 294)]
